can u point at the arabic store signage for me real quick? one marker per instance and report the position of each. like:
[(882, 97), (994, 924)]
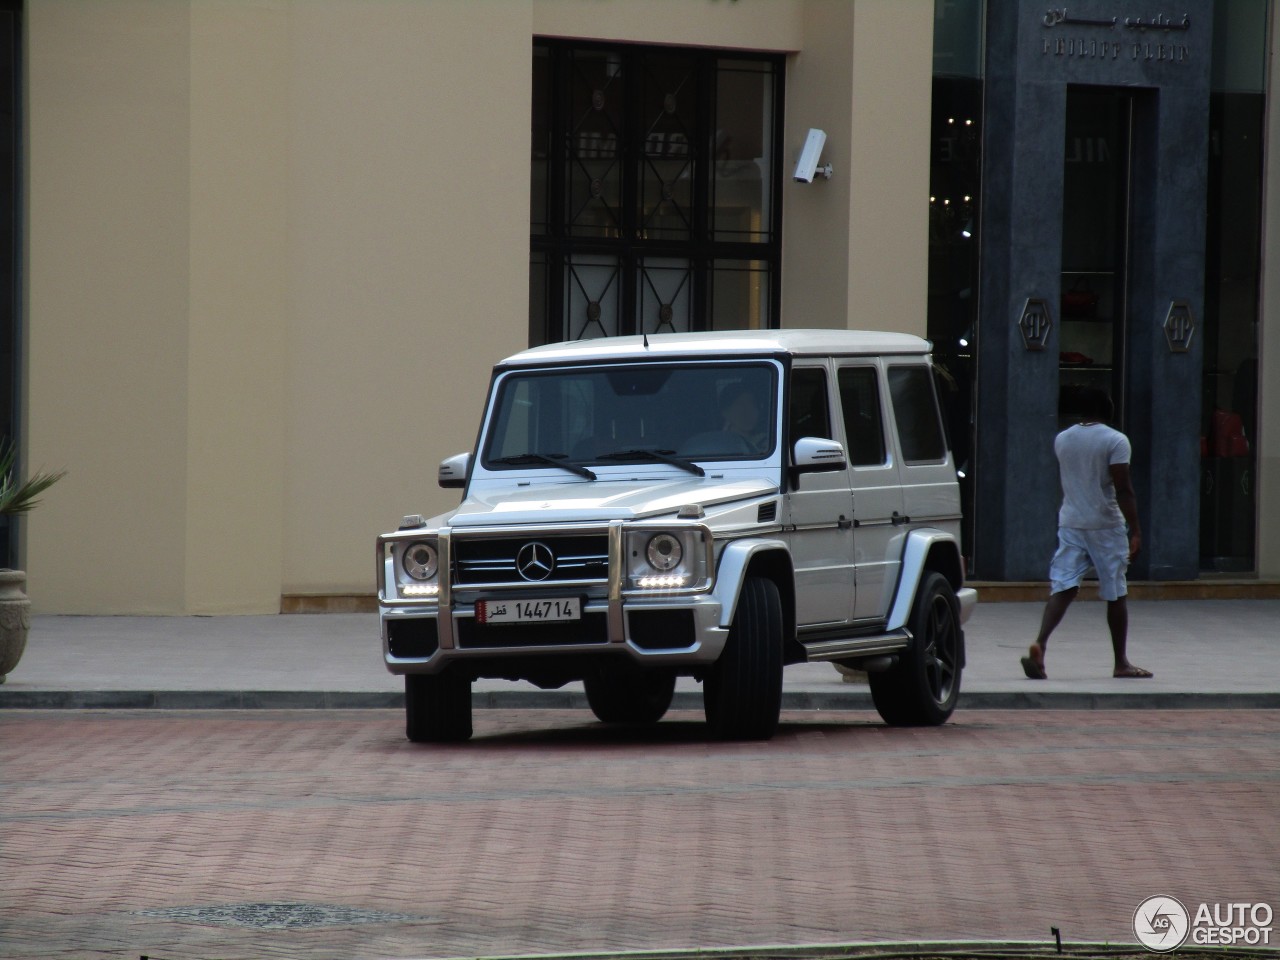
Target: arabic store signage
[(1158, 37)]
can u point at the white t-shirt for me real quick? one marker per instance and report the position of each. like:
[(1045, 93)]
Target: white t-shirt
[(1085, 455)]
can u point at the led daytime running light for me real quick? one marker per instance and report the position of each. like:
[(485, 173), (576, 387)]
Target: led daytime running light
[(665, 581), (420, 590)]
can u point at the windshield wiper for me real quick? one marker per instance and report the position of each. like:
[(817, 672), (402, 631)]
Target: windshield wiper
[(555, 459), (663, 456)]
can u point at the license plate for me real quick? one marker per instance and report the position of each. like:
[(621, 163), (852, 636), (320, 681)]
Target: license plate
[(528, 611)]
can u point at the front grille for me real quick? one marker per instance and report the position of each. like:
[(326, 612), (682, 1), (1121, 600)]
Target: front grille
[(582, 557), (592, 628)]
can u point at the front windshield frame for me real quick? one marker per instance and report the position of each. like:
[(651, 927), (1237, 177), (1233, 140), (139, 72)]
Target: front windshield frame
[(593, 415)]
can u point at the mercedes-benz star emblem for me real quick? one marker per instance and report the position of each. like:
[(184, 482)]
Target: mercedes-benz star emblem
[(535, 561)]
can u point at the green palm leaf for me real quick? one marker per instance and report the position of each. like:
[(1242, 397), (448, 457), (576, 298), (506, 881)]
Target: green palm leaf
[(20, 497)]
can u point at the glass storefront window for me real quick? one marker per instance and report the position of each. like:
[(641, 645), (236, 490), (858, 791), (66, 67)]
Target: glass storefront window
[(1092, 302), (955, 184), (666, 295), (740, 294), (668, 114), (743, 180), (654, 185), (593, 143), (1229, 416), (594, 295), (958, 46)]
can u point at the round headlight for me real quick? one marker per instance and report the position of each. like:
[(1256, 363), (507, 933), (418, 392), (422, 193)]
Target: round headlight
[(420, 561), (664, 552)]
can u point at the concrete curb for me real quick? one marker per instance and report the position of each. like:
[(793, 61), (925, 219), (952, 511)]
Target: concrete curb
[(574, 700)]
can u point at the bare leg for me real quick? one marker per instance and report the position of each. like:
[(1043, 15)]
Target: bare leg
[(1118, 623), (1054, 611)]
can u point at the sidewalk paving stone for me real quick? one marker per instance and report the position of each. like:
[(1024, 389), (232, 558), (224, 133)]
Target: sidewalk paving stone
[(1205, 653)]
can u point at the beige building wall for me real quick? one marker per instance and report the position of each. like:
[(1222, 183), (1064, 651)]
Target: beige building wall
[(108, 302), (275, 246), (409, 251), (238, 307), (774, 25), (856, 246)]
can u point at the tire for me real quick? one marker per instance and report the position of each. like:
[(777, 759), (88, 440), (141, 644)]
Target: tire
[(632, 696), (922, 688), (742, 693), (437, 708)]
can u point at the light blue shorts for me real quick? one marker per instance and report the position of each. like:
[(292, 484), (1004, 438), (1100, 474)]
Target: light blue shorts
[(1106, 551)]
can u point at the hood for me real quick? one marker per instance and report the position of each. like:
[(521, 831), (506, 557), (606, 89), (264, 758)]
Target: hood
[(601, 500)]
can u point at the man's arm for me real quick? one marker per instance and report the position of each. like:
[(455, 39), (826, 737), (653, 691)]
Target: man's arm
[(1128, 503)]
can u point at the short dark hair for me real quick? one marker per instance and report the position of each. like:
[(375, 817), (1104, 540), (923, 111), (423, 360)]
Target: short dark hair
[(1096, 404)]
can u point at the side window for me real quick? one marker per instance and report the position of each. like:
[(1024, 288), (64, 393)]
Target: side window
[(808, 415), (915, 408), (860, 404)]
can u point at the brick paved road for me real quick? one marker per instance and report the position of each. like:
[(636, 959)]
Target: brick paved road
[(155, 833)]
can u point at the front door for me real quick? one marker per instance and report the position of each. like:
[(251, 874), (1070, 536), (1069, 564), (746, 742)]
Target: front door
[(819, 521)]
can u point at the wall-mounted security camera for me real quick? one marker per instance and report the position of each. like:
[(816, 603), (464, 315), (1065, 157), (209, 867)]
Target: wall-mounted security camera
[(807, 167)]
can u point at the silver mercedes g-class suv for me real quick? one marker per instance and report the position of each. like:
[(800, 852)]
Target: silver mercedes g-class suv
[(711, 505)]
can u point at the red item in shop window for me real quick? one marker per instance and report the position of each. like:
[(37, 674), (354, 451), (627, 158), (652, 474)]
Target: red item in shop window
[(1226, 435)]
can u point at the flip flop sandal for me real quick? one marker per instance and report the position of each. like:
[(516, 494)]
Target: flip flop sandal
[(1133, 673), (1034, 669)]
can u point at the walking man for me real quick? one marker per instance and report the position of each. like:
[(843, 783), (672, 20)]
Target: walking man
[(1098, 502)]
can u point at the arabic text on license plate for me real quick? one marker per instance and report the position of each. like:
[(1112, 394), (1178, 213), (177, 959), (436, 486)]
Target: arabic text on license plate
[(528, 611)]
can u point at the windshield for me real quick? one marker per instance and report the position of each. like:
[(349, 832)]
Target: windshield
[(671, 413)]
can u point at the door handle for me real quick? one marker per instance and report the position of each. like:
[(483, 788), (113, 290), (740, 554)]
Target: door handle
[(844, 523)]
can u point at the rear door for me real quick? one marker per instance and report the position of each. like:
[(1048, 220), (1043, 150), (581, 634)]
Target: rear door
[(931, 495), (873, 473)]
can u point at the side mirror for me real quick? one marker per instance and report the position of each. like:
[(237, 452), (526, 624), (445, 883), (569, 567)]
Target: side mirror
[(453, 472), (815, 455)]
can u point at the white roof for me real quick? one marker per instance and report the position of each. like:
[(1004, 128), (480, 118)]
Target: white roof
[(727, 343)]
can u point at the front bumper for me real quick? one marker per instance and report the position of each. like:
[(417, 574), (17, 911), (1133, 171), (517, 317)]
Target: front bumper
[(650, 631), (656, 625)]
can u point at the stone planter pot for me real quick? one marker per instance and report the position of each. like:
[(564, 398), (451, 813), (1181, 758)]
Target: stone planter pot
[(15, 619)]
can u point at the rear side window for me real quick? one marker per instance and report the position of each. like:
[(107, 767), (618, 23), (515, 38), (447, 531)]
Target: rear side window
[(916, 410), (860, 403)]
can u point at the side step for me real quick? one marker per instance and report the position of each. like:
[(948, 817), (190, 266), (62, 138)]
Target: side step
[(846, 647)]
